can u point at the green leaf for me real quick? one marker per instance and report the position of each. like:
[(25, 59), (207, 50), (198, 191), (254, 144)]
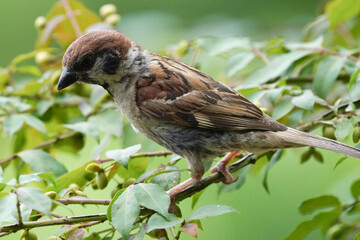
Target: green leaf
[(153, 197), (323, 219), (354, 78), (30, 69), (33, 122), (339, 11), (221, 46), (275, 68), (136, 167), (157, 221), (326, 74), (211, 211), (86, 128), (1, 175), (343, 128), (311, 205), (305, 101), (44, 105), (109, 121), (238, 62), (113, 200), (341, 160), (316, 43), (124, 212), (12, 124), (78, 176), (40, 161), (274, 159), (35, 199), (282, 109), (122, 156), (169, 179), (7, 207), (355, 189), (26, 178)]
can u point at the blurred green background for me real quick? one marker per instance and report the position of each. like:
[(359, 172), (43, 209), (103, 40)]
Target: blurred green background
[(156, 24)]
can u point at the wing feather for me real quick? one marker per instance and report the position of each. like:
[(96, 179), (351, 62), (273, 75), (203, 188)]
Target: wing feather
[(182, 95)]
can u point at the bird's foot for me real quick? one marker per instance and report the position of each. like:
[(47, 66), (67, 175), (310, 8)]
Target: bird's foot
[(177, 189), (221, 167)]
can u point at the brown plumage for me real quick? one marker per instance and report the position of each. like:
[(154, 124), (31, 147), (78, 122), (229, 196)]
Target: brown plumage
[(178, 106)]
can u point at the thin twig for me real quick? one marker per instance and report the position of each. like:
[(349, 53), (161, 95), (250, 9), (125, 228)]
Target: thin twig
[(70, 14), (51, 222), (84, 201), (137, 155)]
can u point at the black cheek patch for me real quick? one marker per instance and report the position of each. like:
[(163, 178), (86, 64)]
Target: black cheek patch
[(111, 63)]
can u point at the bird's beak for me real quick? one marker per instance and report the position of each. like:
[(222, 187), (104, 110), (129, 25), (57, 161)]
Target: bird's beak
[(66, 79)]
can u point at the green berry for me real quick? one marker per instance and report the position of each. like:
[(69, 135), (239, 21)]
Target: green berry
[(101, 179), (107, 10)]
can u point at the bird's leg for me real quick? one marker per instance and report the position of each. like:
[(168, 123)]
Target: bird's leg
[(221, 167), (182, 186)]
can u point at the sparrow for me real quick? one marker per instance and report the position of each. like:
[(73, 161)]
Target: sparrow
[(179, 107)]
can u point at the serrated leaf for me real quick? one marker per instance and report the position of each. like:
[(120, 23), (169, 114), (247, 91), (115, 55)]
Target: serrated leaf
[(343, 128), (274, 159), (326, 74), (355, 189), (12, 124), (26, 178), (116, 196), (340, 11), (238, 62), (282, 109), (169, 179), (305, 100), (354, 78), (1, 175), (7, 207), (323, 219), (341, 160), (276, 67), (86, 128), (35, 199), (211, 211), (30, 69), (157, 221), (223, 45), (108, 121), (122, 156), (78, 176), (44, 105), (33, 122), (316, 43), (153, 197), (124, 212), (40, 161), (311, 205)]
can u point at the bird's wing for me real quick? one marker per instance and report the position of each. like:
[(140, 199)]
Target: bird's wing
[(179, 94)]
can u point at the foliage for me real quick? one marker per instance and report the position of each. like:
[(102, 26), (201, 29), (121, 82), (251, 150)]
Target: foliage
[(306, 85)]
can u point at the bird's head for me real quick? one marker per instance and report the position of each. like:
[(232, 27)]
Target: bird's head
[(98, 57)]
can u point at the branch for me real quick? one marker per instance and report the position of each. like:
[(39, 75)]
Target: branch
[(137, 155), (43, 145), (59, 221), (84, 201)]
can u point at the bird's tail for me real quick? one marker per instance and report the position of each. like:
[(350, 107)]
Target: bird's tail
[(299, 138)]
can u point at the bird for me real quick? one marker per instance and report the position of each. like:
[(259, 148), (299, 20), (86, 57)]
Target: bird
[(180, 107)]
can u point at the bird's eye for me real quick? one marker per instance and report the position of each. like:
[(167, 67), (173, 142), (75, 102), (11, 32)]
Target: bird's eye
[(85, 63)]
